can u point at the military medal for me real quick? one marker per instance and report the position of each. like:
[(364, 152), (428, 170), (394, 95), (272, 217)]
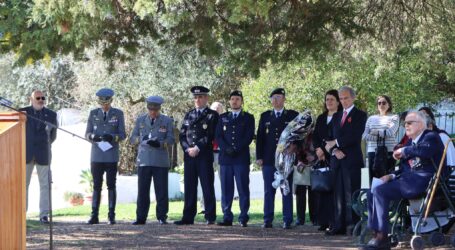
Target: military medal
[(267, 130), (204, 126), (224, 127)]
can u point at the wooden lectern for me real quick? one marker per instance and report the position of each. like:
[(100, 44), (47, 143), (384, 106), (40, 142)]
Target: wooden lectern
[(12, 181)]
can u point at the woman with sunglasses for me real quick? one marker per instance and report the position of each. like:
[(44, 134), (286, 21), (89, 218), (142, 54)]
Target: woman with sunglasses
[(381, 127)]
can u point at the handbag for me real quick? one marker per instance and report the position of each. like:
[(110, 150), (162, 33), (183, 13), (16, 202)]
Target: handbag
[(301, 178), (380, 162), (321, 177)]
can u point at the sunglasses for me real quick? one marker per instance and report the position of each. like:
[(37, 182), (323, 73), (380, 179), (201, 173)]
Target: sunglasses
[(382, 103), (40, 98), (409, 123)]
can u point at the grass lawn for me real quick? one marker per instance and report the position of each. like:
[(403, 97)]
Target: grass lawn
[(127, 212)]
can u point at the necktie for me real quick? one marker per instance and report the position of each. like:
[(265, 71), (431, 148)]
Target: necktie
[(105, 114), (278, 114), (198, 113), (152, 122), (343, 119), (235, 116)]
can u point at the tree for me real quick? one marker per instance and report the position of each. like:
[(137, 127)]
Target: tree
[(55, 77), (246, 32)]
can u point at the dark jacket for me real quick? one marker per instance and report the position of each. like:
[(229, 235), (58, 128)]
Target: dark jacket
[(269, 132), (36, 135), (236, 133), (199, 131), (349, 136), (322, 133)]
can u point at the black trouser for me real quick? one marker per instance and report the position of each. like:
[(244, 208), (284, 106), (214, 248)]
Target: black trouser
[(390, 164), (300, 195), (347, 180), (324, 207), (98, 169), (199, 167), (160, 183)]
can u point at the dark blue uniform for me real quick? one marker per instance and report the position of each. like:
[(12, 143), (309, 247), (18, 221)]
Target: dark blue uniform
[(234, 135), (269, 131), (199, 131)]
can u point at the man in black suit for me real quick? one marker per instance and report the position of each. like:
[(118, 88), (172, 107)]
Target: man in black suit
[(196, 138), (346, 159), (37, 148)]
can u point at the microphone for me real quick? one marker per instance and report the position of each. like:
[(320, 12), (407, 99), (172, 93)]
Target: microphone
[(5, 102)]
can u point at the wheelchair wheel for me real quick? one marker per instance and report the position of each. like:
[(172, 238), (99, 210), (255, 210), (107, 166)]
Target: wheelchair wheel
[(437, 238), (417, 242)]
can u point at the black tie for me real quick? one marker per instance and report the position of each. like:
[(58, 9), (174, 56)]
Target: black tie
[(152, 122), (278, 114), (235, 116), (198, 113), (104, 118)]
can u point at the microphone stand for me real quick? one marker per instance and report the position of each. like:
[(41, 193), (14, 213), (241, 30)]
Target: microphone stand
[(49, 127)]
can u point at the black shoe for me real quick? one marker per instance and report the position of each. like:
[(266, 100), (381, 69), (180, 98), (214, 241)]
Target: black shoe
[(375, 244), (210, 222), (323, 228), (335, 232), (138, 222), (202, 212), (267, 225), (243, 224), (224, 223), (44, 220), (182, 222), (298, 223), (162, 222), (112, 200), (93, 220), (111, 221), (286, 225)]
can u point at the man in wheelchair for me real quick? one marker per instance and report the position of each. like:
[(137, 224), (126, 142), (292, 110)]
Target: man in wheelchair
[(417, 160)]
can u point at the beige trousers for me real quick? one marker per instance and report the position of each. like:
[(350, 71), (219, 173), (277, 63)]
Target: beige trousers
[(43, 177)]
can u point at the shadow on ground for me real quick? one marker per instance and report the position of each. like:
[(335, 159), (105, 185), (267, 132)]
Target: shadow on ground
[(152, 235)]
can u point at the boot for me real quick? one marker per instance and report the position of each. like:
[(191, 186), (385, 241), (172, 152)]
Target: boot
[(112, 196), (96, 199)]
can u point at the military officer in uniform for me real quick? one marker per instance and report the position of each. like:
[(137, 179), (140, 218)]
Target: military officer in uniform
[(154, 132), (105, 125), (196, 138), (234, 134), (271, 124)]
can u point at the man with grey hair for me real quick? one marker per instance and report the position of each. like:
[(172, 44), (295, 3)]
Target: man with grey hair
[(37, 148), (346, 160), (417, 157)]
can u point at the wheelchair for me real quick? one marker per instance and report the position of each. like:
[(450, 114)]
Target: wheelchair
[(428, 218)]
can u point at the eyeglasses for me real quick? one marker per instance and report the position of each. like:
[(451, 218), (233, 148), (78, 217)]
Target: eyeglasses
[(409, 123), (40, 98), (382, 103)]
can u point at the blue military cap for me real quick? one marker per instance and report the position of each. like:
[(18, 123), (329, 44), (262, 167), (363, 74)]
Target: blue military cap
[(105, 93), (279, 91), (236, 93), (199, 90), (154, 102)]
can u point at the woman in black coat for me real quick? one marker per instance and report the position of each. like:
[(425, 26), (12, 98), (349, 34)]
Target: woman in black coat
[(323, 133)]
